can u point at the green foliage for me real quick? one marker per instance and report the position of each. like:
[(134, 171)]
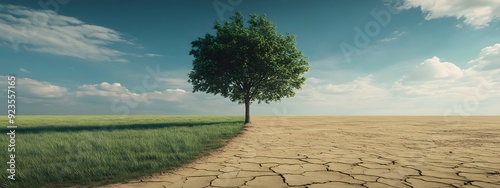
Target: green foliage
[(62, 151), (251, 62)]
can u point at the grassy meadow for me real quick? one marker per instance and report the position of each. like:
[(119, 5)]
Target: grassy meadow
[(60, 151)]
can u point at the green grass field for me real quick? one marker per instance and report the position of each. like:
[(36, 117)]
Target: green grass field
[(59, 151)]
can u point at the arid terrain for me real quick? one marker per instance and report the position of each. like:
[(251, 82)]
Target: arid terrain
[(348, 152)]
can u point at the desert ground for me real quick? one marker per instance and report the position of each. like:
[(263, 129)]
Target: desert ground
[(348, 152)]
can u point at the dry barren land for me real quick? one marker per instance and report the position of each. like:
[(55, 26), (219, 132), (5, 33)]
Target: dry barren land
[(348, 152)]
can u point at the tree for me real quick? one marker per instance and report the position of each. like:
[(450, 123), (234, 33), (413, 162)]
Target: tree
[(247, 63)]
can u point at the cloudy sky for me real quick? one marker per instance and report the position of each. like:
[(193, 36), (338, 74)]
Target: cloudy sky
[(418, 57)]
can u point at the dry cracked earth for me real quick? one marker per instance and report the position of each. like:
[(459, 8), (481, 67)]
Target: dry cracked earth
[(348, 152)]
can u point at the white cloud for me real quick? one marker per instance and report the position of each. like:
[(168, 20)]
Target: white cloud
[(167, 95), (342, 88), (309, 93), (107, 90), (24, 70), (39, 94), (175, 82), (478, 13), (47, 32), (432, 69), (313, 80), (431, 88), (38, 89), (396, 35), (176, 90), (437, 78), (153, 55), (489, 59), (360, 89)]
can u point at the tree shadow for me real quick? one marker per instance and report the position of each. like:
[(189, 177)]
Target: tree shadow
[(79, 128)]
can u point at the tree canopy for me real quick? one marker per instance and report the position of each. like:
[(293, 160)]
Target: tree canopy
[(247, 63)]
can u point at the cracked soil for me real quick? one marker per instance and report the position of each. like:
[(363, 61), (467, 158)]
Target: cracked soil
[(347, 152)]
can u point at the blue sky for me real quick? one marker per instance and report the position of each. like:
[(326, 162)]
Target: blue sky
[(419, 57)]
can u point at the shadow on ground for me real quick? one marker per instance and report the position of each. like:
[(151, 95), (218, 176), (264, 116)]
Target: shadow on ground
[(78, 128)]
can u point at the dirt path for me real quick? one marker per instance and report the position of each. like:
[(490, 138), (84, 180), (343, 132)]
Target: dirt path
[(348, 152)]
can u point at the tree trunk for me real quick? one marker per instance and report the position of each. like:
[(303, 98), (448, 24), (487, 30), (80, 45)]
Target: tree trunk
[(247, 110)]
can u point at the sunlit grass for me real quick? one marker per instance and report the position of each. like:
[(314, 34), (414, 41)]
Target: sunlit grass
[(55, 151)]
